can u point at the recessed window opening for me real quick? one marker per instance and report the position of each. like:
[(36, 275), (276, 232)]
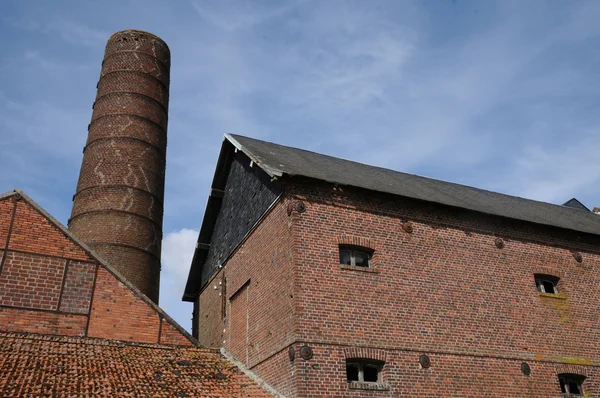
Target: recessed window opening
[(364, 371), (571, 385), (546, 283), (355, 255)]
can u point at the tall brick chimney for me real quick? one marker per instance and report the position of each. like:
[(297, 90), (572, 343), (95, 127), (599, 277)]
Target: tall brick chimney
[(118, 205)]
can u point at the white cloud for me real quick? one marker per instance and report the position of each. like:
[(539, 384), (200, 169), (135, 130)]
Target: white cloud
[(177, 252)]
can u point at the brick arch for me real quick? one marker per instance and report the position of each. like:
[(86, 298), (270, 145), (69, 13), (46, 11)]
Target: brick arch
[(547, 270), (365, 353), (356, 241), (572, 369)]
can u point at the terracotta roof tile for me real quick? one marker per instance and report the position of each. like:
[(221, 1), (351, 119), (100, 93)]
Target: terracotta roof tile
[(41, 365)]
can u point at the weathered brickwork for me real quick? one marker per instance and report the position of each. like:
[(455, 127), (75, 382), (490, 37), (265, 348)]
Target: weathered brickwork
[(280, 372), (43, 293), (41, 322), (6, 208), (239, 326), (448, 376), (31, 281), (118, 206), (446, 272), (34, 233), (118, 314), (442, 288), (78, 287), (260, 297), (171, 336)]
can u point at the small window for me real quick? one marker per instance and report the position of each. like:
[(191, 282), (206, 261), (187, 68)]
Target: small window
[(546, 283), (363, 371), (357, 256), (571, 385)]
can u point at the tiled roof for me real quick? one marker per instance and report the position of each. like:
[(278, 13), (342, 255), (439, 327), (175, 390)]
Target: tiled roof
[(38, 365)]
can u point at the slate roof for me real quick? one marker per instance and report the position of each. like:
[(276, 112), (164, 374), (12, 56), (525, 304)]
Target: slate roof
[(278, 160), (40, 365)]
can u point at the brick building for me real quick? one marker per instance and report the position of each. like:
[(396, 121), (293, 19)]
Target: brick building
[(332, 278)]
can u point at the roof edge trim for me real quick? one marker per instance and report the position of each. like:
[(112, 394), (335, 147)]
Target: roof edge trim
[(272, 172)]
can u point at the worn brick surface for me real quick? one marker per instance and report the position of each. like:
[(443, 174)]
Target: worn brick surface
[(31, 281), (259, 320), (6, 208), (118, 314), (239, 344), (444, 289), (119, 199), (33, 233), (41, 322), (448, 376), (36, 366), (280, 372), (170, 335), (444, 280), (78, 287), (35, 281)]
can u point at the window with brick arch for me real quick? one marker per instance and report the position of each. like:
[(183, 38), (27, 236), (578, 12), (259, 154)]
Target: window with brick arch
[(355, 255), (363, 370), (571, 385)]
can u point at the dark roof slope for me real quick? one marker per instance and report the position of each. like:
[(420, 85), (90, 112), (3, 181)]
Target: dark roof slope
[(34, 366), (278, 160), (575, 204)]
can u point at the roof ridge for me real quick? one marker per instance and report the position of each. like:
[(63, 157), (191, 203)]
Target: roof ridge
[(276, 160), (248, 152)]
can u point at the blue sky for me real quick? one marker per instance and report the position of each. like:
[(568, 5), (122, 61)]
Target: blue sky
[(499, 95)]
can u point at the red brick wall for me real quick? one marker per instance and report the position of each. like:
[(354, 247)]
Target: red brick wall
[(42, 322), (443, 288), (31, 281), (6, 208), (211, 324), (46, 286), (279, 372), (31, 278), (448, 376), (264, 263), (239, 325), (170, 335), (33, 233), (118, 314), (78, 287)]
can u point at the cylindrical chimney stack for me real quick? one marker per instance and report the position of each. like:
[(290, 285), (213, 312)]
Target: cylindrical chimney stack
[(118, 205)]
